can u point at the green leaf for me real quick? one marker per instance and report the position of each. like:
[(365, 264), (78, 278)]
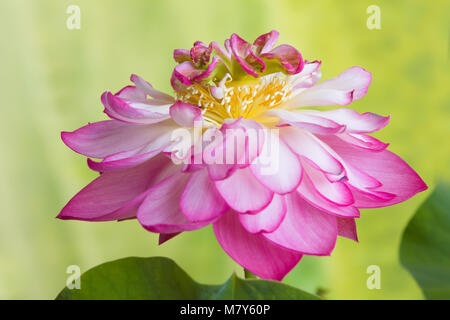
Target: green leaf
[(161, 278), (425, 247)]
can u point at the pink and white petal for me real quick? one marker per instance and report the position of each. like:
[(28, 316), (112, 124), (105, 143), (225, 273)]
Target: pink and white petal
[(277, 167), (354, 121), (289, 57), (308, 77), (265, 42), (103, 198), (363, 141), (104, 138), (310, 147), (200, 201), (347, 228), (185, 114), (136, 113), (148, 89), (352, 84), (242, 51), (305, 228), (395, 175), (243, 192), (336, 192), (132, 93), (160, 211), (312, 123), (268, 219), (307, 191), (253, 251)]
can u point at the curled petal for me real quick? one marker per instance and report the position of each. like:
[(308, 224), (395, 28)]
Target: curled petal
[(305, 229), (132, 112), (253, 251), (247, 59), (264, 43), (287, 56)]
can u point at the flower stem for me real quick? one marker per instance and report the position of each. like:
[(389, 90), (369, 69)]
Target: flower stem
[(249, 275)]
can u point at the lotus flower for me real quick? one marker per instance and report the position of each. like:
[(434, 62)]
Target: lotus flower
[(240, 146)]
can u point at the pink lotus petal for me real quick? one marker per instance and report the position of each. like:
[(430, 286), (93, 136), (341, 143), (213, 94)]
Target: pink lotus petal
[(352, 84), (200, 200), (336, 192), (125, 111), (252, 251), (363, 141), (305, 229), (244, 55), (102, 199), (265, 42), (277, 167), (132, 93), (310, 147), (347, 228), (160, 211), (104, 138), (243, 192), (308, 77), (235, 145), (289, 58), (311, 123), (268, 219), (307, 191), (395, 175), (147, 88), (185, 114), (354, 121)]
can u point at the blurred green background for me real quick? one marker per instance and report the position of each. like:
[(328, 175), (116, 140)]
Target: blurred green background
[(51, 79)]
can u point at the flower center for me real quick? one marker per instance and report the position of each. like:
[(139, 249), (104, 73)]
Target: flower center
[(248, 99)]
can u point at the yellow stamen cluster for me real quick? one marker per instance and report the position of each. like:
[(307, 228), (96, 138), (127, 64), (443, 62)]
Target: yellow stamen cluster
[(240, 99)]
